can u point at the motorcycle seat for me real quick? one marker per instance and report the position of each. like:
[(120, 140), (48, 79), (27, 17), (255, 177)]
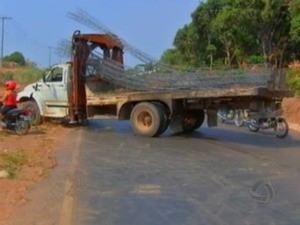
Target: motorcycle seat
[(14, 112)]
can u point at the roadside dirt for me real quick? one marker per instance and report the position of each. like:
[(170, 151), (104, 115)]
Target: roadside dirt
[(38, 150), (291, 107)]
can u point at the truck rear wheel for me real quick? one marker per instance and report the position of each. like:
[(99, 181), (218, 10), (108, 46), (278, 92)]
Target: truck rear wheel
[(146, 119), (165, 120), (200, 116), (192, 120), (35, 115)]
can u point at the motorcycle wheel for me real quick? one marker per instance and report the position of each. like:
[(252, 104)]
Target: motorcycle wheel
[(22, 126), (230, 115), (221, 116), (238, 120), (253, 128), (282, 128)]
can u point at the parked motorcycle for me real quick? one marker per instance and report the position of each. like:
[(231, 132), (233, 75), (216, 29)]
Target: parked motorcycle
[(268, 120), (231, 114), (16, 120)]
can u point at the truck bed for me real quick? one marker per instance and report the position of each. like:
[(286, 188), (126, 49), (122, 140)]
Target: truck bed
[(107, 98), (259, 83)]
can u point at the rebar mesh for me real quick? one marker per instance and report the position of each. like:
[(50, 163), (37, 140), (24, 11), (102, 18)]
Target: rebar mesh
[(169, 80)]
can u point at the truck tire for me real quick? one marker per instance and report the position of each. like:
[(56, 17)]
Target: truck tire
[(192, 120), (35, 114), (200, 116), (165, 122), (146, 119), (188, 121)]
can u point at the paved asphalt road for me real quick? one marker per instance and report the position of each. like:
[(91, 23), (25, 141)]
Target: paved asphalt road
[(213, 176)]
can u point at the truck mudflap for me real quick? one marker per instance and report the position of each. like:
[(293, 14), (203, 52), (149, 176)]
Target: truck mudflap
[(212, 118)]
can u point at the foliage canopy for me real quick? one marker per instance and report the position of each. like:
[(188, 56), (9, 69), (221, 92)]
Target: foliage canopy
[(237, 32), (15, 57)]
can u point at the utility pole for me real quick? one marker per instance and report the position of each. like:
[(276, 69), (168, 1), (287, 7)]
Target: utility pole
[(3, 18), (50, 53)]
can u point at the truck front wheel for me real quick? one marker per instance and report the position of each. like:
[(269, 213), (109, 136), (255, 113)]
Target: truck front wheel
[(146, 119), (34, 112)]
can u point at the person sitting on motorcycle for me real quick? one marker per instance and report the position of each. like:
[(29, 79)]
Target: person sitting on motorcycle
[(9, 99)]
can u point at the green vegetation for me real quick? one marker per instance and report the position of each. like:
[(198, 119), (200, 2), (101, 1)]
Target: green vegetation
[(293, 80), (12, 162), (15, 57), (23, 75), (28, 75), (20, 70), (237, 32)]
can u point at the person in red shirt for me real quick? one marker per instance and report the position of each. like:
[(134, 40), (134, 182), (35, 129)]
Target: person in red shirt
[(9, 99)]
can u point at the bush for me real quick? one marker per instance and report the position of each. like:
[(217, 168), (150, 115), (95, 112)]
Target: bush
[(293, 80), (23, 75), (28, 75), (256, 59), (12, 162)]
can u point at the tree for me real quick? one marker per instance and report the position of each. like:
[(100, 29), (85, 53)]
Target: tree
[(201, 20), (184, 41), (16, 57), (211, 49), (239, 29), (294, 9), (171, 57)]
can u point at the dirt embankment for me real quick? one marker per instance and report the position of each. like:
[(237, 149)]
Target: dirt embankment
[(291, 107), (36, 152)]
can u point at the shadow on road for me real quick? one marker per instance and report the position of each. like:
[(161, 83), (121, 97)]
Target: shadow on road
[(225, 133), (241, 135)]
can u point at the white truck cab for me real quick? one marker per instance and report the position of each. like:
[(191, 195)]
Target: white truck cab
[(48, 97)]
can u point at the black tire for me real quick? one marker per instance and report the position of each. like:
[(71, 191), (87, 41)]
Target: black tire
[(283, 125), (253, 128), (22, 126), (146, 119), (165, 120), (192, 120), (200, 116), (35, 114)]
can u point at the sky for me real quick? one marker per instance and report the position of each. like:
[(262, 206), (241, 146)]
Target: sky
[(36, 27)]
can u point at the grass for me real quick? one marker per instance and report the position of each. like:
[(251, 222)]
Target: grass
[(12, 162), (293, 80), (23, 75)]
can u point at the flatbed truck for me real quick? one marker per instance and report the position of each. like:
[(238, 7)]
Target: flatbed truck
[(93, 86)]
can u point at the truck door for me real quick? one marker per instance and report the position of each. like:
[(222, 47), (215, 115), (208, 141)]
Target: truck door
[(54, 87)]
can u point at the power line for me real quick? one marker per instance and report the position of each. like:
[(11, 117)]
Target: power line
[(3, 18)]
